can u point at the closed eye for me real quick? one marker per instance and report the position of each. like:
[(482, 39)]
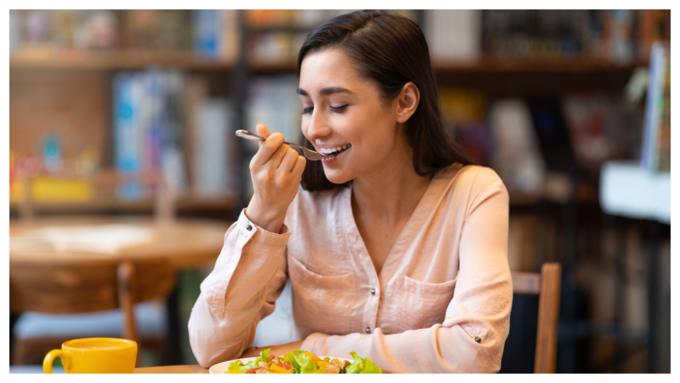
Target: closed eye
[(307, 110), (339, 109)]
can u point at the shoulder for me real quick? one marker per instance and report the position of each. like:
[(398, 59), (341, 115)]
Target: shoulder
[(478, 177), (475, 183)]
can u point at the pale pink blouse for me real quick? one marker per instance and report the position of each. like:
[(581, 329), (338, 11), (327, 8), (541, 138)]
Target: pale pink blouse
[(440, 304)]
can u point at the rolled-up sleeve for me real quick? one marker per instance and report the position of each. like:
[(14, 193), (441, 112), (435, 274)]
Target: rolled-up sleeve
[(477, 321), (249, 275)]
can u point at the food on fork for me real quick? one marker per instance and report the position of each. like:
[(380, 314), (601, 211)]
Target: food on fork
[(303, 362)]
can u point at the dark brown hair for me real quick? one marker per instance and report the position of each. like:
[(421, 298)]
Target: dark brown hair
[(390, 50)]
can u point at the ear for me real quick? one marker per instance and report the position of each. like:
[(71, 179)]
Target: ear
[(407, 102)]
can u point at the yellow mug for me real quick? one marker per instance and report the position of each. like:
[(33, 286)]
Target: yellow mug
[(94, 356)]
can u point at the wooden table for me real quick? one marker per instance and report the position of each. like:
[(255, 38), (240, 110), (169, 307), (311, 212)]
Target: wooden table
[(184, 243), (183, 369)]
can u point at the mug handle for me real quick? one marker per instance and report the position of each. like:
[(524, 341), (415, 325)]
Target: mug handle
[(51, 356)]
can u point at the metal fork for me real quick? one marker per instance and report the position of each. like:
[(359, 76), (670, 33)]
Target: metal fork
[(309, 154)]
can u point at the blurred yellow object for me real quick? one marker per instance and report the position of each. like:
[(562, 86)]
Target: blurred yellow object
[(463, 106), (48, 189), (94, 356)]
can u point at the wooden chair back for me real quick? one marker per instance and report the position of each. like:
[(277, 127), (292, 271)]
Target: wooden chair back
[(547, 286), (82, 288)]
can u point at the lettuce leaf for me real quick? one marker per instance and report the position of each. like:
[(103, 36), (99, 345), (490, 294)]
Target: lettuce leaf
[(234, 366), (302, 364), (362, 366), (264, 357)]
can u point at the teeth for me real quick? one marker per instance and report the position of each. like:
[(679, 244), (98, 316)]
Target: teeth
[(333, 150)]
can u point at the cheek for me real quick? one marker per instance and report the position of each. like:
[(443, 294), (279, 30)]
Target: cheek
[(303, 127)]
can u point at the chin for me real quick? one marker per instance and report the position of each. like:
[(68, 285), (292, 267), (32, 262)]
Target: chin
[(337, 177)]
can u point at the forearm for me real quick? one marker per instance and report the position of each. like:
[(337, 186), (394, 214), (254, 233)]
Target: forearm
[(249, 275), (213, 341), (438, 349)]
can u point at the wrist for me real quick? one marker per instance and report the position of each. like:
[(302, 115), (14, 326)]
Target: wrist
[(267, 219)]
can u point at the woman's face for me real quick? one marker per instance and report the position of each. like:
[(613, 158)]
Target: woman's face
[(344, 116)]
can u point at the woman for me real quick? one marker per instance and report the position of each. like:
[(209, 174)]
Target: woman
[(396, 248)]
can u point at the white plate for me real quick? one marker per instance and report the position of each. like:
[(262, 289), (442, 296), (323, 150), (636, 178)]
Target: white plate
[(221, 368)]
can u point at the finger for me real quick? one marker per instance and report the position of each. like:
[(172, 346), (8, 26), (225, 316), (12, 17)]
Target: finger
[(262, 130), (299, 166), (288, 160), (277, 157), (268, 148)]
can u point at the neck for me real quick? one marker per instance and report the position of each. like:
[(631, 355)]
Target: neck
[(392, 192)]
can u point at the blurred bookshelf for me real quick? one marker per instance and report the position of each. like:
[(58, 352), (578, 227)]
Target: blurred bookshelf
[(225, 60)]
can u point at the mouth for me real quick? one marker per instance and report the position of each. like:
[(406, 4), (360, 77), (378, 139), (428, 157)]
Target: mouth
[(331, 153)]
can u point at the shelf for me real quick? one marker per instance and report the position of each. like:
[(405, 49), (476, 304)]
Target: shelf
[(278, 29), (535, 65), (281, 67), (497, 65), (103, 60), (51, 59)]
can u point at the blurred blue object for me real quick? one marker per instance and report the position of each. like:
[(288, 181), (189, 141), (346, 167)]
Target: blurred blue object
[(150, 319), (34, 369)]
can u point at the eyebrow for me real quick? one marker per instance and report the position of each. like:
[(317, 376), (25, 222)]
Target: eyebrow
[(326, 91)]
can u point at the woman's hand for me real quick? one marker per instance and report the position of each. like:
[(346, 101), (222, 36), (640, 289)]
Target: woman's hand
[(276, 172)]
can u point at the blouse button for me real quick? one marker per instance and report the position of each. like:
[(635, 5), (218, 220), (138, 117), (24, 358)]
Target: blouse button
[(478, 339), (372, 291), (368, 330), (249, 228)]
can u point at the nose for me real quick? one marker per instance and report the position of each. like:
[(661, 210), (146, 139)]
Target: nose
[(318, 127)]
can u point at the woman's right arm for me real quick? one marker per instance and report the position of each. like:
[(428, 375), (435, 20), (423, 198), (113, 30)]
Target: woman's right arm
[(249, 276), (250, 272)]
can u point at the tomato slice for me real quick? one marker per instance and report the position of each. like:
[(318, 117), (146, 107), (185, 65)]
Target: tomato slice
[(252, 370), (286, 365), (272, 357)]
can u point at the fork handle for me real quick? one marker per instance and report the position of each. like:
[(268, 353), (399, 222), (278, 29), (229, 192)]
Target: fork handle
[(249, 136), (254, 137)]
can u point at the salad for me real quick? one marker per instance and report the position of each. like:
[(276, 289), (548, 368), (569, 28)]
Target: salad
[(303, 362)]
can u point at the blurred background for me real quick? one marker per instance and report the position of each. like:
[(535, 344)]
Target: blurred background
[(126, 118)]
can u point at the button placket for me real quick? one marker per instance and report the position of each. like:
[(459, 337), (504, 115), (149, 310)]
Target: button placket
[(372, 304)]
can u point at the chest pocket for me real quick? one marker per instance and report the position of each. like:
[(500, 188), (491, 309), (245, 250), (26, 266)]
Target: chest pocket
[(421, 304), (321, 303)]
